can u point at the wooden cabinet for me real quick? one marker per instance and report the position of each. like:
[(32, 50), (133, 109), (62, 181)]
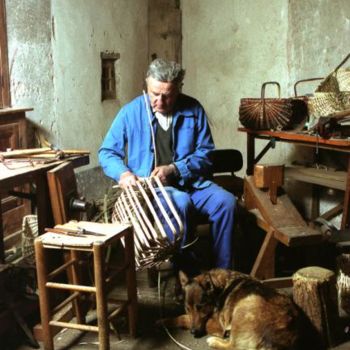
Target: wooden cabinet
[(13, 134)]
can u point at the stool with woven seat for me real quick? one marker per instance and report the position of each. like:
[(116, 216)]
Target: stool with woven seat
[(94, 239)]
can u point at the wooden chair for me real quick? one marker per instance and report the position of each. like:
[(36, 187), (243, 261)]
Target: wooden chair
[(63, 189)]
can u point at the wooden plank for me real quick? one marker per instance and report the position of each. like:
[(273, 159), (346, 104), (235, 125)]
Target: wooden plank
[(294, 137), (281, 214), (289, 226), (260, 220), (279, 282), (346, 211), (328, 178), (5, 96)]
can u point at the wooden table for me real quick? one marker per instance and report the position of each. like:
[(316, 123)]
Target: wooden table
[(341, 181), (21, 174)]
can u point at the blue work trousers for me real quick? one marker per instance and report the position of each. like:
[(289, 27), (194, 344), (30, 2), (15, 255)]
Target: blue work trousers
[(218, 205)]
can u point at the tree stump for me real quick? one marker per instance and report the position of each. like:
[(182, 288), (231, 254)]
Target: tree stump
[(314, 291), (343, 282)]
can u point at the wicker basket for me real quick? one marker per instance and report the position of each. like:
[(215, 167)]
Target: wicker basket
[(271, 113), (333, 93), (338, 80)]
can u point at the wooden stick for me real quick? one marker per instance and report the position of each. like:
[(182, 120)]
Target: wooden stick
[(24, 152)]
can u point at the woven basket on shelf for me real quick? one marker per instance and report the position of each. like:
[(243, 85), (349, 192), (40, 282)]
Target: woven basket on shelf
[(271, 113), (333, 93)]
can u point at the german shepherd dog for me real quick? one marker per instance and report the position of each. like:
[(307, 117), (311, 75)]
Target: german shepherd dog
[(241, 313)]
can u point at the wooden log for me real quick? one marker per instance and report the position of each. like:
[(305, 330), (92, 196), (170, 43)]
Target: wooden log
[(314, 291), (269, 176)]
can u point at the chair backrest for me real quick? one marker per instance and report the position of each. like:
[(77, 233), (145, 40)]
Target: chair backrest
[(226, 160), (62, 188)]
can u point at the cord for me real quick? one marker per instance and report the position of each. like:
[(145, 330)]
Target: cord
[(148, 108), (161, 306)]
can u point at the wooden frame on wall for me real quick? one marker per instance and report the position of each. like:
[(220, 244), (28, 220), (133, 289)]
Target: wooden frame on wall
[(5, 96)]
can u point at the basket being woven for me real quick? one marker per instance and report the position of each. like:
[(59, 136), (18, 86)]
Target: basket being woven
[(271, 113)]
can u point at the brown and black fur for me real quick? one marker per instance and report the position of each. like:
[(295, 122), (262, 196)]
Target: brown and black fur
[(241, 313)]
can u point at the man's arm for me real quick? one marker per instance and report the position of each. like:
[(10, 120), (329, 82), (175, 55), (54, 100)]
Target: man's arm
[(112, 151), (197, 163)]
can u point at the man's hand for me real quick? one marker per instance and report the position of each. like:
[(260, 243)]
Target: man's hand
[(127, 179), (166, 173)]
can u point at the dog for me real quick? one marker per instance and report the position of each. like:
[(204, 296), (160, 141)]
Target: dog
[(241, 313)]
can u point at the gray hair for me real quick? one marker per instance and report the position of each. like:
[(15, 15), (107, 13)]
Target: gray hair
[(166, 71)]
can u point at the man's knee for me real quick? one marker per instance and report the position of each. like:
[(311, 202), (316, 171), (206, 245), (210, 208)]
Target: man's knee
[(182, 201), (226, 201)]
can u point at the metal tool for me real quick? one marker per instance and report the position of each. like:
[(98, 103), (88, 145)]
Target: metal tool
[(65, 232)]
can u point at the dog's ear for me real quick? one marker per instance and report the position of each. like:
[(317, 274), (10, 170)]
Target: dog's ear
[(184, 280)]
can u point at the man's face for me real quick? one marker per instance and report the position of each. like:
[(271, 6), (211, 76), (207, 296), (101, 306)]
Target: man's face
[(162, 95)]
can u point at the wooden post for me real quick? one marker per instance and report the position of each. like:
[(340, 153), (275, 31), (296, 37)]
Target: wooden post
[(250, 153), (314, 291), (346, 210)]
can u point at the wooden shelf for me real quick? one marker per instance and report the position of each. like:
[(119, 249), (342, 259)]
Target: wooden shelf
[(323, 177)]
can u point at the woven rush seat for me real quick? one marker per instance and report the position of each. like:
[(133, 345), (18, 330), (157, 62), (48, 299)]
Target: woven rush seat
[(94, 239)]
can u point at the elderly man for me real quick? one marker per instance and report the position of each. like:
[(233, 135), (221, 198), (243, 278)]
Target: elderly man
[(167, 134)]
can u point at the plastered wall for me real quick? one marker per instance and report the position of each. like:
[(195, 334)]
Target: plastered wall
[(229, 48), (54, 52)]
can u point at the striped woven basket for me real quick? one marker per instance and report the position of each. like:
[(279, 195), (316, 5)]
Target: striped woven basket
[(271, 113)]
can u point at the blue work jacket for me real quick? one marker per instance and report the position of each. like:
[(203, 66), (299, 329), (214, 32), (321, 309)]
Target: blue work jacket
[(128, 144)]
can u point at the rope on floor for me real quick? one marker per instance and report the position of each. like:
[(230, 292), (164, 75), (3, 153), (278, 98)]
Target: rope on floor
[(161, 306)]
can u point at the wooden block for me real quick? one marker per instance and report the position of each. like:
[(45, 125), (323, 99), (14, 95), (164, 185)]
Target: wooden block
[(265, 175), (269, 176)]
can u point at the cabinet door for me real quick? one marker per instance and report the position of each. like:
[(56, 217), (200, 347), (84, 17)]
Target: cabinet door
[(9, 136), (13, 135)]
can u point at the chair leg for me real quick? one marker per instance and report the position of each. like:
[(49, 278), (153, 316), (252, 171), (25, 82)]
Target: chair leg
[(101, 297), (75, 276), (44, 300), (131, 282)]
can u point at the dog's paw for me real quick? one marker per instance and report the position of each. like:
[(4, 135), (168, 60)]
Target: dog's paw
[(217, 343), (212, 342)]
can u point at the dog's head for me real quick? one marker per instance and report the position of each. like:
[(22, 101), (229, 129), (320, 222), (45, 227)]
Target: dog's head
[(200, 301)]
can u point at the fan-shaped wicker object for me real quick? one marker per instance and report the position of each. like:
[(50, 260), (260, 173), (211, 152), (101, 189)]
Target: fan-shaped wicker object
[(271, 113)]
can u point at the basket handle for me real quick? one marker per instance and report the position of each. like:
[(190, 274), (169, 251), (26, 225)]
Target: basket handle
[(263, 94), (342, 62), (303, 81), (267, 83)]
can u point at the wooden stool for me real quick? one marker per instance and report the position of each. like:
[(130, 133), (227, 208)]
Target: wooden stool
[(105, 235), (314, 290)]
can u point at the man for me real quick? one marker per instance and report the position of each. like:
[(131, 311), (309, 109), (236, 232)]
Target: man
[(176, 150)]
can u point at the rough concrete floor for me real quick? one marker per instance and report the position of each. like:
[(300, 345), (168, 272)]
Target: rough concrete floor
[(150, 335)]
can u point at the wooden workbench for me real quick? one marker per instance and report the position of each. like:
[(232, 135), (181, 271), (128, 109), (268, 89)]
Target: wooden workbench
[(24, 173), (337, 180)]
